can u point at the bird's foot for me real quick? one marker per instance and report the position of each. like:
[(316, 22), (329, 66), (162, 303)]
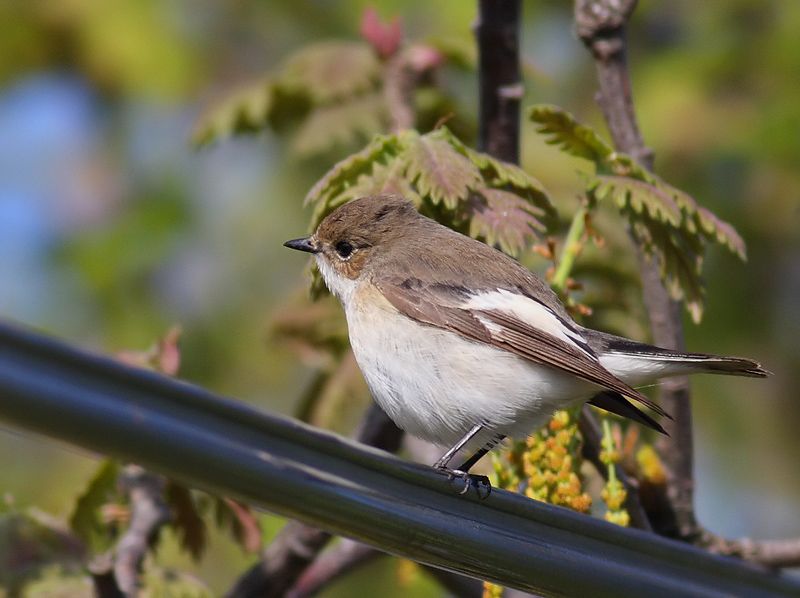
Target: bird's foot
[(481, 483)]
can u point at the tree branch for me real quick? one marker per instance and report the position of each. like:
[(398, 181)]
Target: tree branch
[(297, 545), (148, 513), (331, 565), (349, 555), (770, 553), (601, 26), (500, 86)]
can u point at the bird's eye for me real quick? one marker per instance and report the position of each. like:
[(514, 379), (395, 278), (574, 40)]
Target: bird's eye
[(344, 249)]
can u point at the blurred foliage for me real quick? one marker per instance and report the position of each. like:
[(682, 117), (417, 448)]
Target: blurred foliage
[(103, 40), (31, 543), (715, 87), (336, 93)]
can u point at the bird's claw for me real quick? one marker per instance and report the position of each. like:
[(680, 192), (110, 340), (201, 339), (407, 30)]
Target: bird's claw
[(481, 483)]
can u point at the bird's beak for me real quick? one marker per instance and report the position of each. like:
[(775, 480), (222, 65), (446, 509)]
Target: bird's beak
[(303, 244)]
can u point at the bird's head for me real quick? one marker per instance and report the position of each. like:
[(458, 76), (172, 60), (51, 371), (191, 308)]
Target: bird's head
[(349, 240)]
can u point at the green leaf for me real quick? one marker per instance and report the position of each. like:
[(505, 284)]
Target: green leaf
[(340, 124), (86, 520), (345, 172), (438, 171), (186, 519), (668, 223), (722, 231), (331, 70), (560, 128), (245, 110), (638, 196), (443, 178)]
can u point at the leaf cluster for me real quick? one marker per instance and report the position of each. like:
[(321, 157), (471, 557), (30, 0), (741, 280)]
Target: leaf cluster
[(489, 199), (667, 223), (329, 94)]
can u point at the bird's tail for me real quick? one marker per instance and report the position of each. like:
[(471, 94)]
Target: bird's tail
[(624, 356), (716, 364)]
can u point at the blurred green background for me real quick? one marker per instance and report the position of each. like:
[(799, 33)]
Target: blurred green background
[(112, 227)]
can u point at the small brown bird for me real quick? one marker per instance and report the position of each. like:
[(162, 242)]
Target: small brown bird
[(462, 346)]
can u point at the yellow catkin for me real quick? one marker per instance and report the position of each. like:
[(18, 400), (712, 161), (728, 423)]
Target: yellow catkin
[(650, 465), (407, 572), (545, 466), (492, 590)]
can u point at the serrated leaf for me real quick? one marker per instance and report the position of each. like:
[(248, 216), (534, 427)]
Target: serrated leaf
[(639, 195), (332, 70), (438, 171), (722, 231), (560, 128), (503, 219), (385, 179), (340, 124), (86, 520), (678, 253), (186, 520), (246, 109), (667, 222), (345, 172)]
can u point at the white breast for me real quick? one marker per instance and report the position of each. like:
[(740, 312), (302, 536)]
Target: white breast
[(437, 385)]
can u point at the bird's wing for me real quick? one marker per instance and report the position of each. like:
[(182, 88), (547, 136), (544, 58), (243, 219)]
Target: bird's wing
[(508, 320)]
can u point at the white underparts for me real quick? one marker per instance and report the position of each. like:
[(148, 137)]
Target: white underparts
[(437, 385)]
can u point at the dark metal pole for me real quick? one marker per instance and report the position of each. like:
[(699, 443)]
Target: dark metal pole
[(295, 470)]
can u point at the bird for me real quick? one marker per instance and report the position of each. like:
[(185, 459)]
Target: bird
[(463, 346)]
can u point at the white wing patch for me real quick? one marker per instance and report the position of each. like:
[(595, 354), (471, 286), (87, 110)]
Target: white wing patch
[(527, 310)]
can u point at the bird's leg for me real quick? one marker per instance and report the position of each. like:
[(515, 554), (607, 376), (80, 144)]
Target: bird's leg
[(478, 455), (448, 456), (462, 472)]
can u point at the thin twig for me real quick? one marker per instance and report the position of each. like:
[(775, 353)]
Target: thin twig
[(104, 584), (297, 545), (572, 248), (770, 553), (592, 438), (399, 81), (149, 512), (601, 24), (331, 565)]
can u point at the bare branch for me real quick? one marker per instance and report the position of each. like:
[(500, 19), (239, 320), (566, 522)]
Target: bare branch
[(770, 553), (601, 26), (331, 565), (592, 437), (501, 90), (148, 513), (101, 568), (297, 545), (399, 81)]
